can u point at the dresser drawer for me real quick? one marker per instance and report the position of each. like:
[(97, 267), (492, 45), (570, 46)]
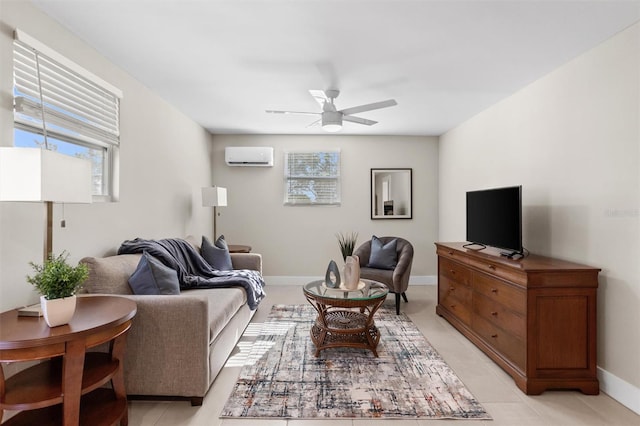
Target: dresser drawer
[(455, 298), (498, 291), (454, 271), (447, 252), (509, 346), (499, 270), (499, 315)]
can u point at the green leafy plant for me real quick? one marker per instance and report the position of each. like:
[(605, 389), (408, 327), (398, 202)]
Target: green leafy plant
[(347, 243), (56, 279)]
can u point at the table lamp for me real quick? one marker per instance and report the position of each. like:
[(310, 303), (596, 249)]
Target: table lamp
[(40, 175), (215, 197)]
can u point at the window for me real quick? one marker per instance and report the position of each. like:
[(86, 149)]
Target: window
[(60, 106), (312, 178)]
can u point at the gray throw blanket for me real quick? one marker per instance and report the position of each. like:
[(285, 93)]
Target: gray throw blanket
[(193, 270)]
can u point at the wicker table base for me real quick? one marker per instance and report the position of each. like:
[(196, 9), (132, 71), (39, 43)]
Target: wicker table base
[(345, 322), (354, 333)]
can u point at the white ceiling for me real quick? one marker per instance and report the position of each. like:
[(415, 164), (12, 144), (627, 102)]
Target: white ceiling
[(223, 63)]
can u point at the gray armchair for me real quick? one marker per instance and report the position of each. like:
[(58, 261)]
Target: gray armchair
[(397, 279)]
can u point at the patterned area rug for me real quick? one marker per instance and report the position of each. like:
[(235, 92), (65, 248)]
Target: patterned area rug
[(283, 379)]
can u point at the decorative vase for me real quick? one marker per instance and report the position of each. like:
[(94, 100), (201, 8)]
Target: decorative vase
[(332, 277), (351, 272), (58, 311)]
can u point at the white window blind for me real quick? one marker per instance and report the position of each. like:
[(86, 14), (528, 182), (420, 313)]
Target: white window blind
[(73, 105), (312, 178), (61, 106)]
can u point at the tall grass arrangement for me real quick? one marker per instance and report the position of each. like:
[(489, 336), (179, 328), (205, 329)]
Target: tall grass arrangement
[(347, 243)]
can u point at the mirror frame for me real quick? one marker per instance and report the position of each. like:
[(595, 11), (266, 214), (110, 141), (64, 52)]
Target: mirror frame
[(375, 189)]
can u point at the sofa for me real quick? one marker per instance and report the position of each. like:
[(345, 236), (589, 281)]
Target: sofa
[(177, 344)]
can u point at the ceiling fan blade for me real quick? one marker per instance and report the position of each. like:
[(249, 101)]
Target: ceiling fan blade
[(270, 111), (358, 120), (319, 96), (315, 123), (369, 107)]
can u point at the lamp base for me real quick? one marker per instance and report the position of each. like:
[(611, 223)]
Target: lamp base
[(48, 231)]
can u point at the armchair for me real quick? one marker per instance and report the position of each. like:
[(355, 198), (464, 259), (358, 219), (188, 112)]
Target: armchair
[(397, 279)]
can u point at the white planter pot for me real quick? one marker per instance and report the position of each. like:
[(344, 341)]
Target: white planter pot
[(58, 311)]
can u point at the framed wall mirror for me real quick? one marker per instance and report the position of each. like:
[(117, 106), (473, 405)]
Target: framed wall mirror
[(391, 193)]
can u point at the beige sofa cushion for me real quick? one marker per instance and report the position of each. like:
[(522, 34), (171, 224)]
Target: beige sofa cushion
[(110, 275), (223, 304)]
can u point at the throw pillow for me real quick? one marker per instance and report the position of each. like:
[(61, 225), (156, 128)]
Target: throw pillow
[(383, 256), (153, 277), (217, 255)]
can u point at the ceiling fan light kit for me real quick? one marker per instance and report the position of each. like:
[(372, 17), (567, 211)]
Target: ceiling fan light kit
[(331, 121), (330, 118)]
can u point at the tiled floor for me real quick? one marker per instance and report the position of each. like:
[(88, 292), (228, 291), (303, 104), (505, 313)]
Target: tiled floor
[(490, 385)]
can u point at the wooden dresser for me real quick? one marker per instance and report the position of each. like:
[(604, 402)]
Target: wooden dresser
[(535, 317)]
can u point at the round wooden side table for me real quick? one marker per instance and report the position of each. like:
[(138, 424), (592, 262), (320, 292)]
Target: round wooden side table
[(65, 389)]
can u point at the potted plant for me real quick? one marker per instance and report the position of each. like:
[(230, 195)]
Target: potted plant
[(58, 282), (347, 243)]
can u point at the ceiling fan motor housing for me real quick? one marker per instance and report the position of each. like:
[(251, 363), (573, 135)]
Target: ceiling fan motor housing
[(332, 121), (332, 93)]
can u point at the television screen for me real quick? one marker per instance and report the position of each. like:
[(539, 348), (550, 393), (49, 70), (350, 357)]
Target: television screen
[(494, 218)]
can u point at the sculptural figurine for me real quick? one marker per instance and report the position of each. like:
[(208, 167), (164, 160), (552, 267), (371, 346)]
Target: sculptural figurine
[(332, 277), (351, 272)]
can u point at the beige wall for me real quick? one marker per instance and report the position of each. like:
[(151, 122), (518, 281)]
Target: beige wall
[(572, 140), (300, 241), (164, 162)]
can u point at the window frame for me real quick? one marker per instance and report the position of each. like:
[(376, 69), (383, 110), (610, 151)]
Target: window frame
[(291, 199), (67, 126)]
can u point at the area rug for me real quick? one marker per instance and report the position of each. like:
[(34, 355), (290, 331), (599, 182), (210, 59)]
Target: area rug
[(282, 378)]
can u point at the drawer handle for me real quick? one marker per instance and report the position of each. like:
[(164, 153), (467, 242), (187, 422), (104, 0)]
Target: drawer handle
[(453, 272), (452, 306), (494, 313), (494, 290), (451, 289), (494, 336), (493, 268), (450, 253)]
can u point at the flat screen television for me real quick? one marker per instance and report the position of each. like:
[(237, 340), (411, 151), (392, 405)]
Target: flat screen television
[(494, 218)]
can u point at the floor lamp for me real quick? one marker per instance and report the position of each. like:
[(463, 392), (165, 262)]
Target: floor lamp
[(40, 175), (215, 197)]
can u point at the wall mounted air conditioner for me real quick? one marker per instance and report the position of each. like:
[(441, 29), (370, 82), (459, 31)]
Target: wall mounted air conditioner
[(261, 156)]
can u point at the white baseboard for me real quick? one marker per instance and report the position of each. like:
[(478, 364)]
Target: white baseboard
[(288, 280), (298, 281), (423, 280), (623, 392)]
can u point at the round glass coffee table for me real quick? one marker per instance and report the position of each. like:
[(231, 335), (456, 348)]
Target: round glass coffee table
[(345, 317)]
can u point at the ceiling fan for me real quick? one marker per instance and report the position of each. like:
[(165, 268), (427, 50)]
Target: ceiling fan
[(331, 118)]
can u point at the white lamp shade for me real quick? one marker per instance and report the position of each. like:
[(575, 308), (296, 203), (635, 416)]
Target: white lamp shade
[(214, 196), (35, 174)]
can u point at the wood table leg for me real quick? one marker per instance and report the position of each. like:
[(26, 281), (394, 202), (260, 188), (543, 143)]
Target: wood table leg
[(72, 368), (2, 390), (117, 353)]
